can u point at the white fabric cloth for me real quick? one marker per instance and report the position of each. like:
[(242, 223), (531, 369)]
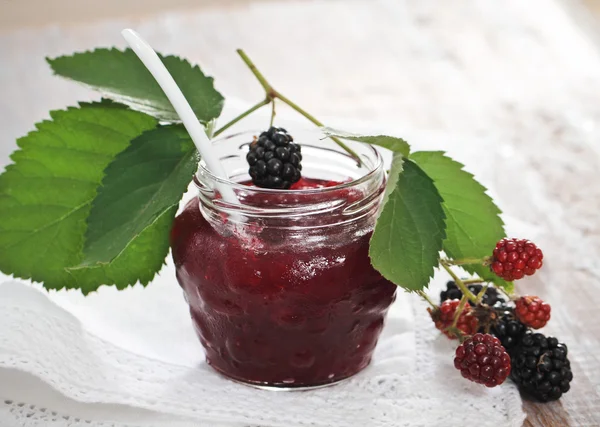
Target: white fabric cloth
[(45, 349)]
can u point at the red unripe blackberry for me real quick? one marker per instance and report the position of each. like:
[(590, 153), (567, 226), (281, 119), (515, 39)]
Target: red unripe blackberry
[(514, 258), (443, 318), (482, 359), (532, 311)]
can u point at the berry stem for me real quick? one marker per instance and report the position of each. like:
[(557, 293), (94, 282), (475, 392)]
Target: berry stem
[(466, 261), (272, 113), (481, 293), (426, 298), (463, 288), (261, 79), (459, 310), (241, 116), (318, 123), (456, 332), (273, 94), (510, 296), (473, 281)]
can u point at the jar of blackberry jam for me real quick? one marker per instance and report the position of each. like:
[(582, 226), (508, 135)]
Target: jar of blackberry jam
[(280, 287)]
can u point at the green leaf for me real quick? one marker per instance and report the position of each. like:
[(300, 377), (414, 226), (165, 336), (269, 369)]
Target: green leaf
[(409, 232), (141, 184), (393, 176), (121, 76), (47, 193), (397, 145), (140, 262), (473, 223)]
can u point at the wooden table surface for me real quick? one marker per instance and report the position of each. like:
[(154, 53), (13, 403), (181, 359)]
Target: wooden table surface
[(524, 73)]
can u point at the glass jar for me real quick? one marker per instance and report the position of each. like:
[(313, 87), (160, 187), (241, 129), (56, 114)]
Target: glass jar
[(280, 287)]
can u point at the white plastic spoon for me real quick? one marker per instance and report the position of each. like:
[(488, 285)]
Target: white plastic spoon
[(158, 70)]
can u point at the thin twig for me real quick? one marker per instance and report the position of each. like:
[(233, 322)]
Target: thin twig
[(271, 94), (272, 112), (464, 261), (481, 293), (473, 281), (459, 283), (459, 310), (426, 298), (241, 116)]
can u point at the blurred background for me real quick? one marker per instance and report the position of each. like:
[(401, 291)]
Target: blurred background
[(460, 66), (18, 13), (454, 66)]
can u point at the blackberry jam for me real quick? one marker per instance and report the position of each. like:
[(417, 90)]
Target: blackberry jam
[(280, 288)]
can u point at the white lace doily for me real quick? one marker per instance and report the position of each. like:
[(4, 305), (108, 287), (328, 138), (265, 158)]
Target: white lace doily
[(55, 372)]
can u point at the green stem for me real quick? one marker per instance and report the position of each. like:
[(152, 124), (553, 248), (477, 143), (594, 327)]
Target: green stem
[(510, 296), (318, 123), (466, 292), (459, 310), (261, 79), (457, 332), (273, 94), (241, 116), (473, 281), (426, 298), (272, 113), (465, 261), (481, 293)]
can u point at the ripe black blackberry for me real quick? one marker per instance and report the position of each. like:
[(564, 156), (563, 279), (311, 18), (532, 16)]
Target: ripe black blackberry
[(507, 328), (541, 368), (490, 298), (274, 160)]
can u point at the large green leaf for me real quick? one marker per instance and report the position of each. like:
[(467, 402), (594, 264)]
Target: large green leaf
[(47, 193), (473, 223), (393, 176), (409, 232), (142, 183), (121, 76), (397, 145), (140, 262)]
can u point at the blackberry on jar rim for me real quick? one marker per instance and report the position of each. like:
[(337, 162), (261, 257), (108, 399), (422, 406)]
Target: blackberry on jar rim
[(274, 160)]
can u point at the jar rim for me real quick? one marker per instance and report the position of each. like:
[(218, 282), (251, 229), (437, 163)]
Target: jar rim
[(372, 172)]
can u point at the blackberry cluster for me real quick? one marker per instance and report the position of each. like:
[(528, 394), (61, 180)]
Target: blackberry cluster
[(491, 297), (541, 368), (274, 160), (508, 330)]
